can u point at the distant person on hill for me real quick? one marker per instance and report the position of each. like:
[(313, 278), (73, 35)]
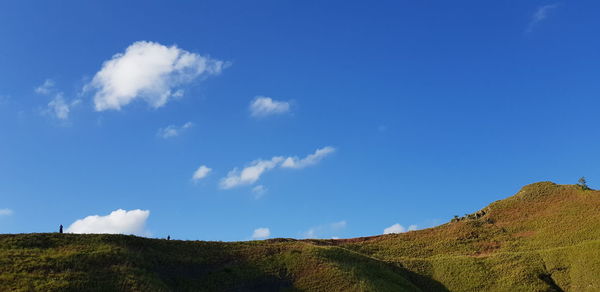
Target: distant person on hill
[(168, 237), (60, 229)]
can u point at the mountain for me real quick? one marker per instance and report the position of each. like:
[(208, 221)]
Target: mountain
[(544, 238)]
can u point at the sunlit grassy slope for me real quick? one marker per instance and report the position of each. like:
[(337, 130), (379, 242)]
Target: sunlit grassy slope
[(544, 238)]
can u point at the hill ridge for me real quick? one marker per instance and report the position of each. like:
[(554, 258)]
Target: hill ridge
[(545, 237)]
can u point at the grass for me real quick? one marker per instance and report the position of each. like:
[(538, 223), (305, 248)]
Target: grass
[(544, 238)]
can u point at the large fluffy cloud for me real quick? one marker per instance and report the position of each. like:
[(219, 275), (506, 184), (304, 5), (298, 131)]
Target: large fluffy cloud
[(148, 71), (252, 173), (397, 228), (263, 106), (119, 221)]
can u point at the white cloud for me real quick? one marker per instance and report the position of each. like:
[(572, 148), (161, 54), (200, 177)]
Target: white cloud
[(58, 106), (173, 130), (249, 174), (259, 191), (201, 172), (4, 99), (338, 225), (261, 233), (397, 228), (540, 15), (263, 106), (6, 212), (312, 159), (310, 233), (326, 230), (148, 71), (252, 173), (178, 93), (46, 88), (119, 221)]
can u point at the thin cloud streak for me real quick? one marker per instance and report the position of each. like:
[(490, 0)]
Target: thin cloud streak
[(6, 212), (252, 173), (541, 14), (172, 131)]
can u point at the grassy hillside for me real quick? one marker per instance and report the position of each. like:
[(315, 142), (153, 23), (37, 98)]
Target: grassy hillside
[(544, 238)]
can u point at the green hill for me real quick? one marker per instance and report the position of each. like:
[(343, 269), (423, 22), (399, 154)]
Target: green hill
[(544, 238)]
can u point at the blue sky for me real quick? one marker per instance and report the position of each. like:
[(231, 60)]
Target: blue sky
[(311, 119)]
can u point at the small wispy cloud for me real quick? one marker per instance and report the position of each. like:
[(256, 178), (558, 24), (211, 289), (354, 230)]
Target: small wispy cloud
[(259, 191), (173, 130), (397, 228), (201, 172), (46, 88), (263, 106), (58, 107), (253, 171), (261, 233), (540, 14), (4, 99), (6, 212), (330, 230)]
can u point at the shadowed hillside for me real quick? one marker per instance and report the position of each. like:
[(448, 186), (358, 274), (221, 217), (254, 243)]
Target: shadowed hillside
[(544, 238)]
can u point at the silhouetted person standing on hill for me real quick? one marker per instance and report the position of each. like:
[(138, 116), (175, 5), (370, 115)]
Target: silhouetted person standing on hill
[(60, 229), (168, 237)]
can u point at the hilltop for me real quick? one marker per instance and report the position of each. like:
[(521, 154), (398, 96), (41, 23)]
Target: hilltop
[(546, 237)]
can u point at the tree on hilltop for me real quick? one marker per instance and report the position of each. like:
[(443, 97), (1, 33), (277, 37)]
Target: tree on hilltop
[(582, 182)]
